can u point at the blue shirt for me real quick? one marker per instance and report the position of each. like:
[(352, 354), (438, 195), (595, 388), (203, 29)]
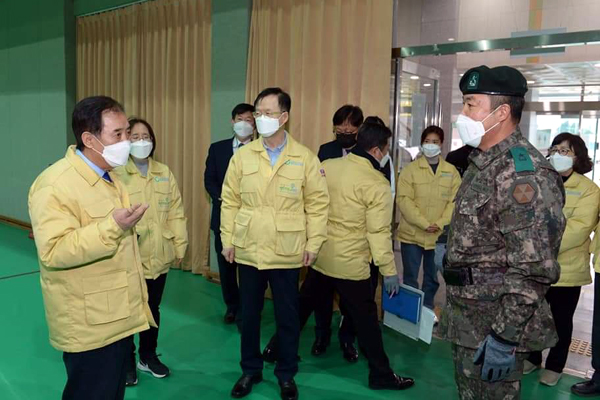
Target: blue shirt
[(275, 153), (93, 166)]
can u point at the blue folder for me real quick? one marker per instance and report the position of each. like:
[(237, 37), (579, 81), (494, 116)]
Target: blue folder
[(406, 304)]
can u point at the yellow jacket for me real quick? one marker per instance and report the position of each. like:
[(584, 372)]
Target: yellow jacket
[(359, 222), (271, 215), (162, 230), (425, 199), (91, 275)]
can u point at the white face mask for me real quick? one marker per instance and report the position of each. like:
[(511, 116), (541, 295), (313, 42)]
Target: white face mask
[(115, 155), (471, 132), (431, 150), (561, 163), (141, 149), (267, 126), (384, 160), (243, 129)]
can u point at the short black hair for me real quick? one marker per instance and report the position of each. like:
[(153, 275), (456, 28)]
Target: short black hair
[(241, 109), (350, 113), (583, 162), (285, 102), (374, 119), (373, 135), (516, 104), (134, 121), (87, 116), (432, 129)]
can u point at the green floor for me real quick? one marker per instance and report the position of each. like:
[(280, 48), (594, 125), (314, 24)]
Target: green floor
[(202, 352)]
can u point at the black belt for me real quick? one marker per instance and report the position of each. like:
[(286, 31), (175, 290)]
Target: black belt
[(467, 276)]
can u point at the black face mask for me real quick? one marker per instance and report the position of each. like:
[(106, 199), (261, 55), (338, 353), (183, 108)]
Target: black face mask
[(346, 141)]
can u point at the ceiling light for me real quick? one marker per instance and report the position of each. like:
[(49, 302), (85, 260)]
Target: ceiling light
[(597, 65), (451, 39), (460, 74), (402, 91), (414, 77), (427, 84), (530, 82)]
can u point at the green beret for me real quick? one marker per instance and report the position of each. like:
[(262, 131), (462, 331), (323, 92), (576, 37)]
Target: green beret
[(501, 81)]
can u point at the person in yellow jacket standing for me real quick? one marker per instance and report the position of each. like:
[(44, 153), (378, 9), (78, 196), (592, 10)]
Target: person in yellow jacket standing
[(569, 156), (91, 273), (425, 196), (358, 231), (162, 234), (273, 221)]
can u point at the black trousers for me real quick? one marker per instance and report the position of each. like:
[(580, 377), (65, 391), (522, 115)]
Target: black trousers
[(149, 338), (596, 331), (229, 283), (361, 308), (97, 374), (284, 285), (563, 302), (347, 331)]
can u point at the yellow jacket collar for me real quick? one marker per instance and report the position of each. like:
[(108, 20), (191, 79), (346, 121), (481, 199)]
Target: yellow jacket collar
[(153, 167), (291, 148), (423, 163), (81, 167), (573, 181)]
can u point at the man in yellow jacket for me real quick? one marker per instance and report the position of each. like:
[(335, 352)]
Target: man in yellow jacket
[(91, 275), (358, 231), (273, 221)]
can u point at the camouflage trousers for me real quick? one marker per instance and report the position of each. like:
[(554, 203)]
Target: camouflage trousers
[(471, 387)]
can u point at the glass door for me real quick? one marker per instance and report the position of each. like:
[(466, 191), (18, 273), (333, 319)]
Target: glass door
[(414, 106)]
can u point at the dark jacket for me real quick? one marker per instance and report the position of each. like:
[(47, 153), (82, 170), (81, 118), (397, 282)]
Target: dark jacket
[(217, 162), (330, 150), (460, 158)]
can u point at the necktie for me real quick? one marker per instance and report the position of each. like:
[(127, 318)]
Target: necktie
[(106, 177)]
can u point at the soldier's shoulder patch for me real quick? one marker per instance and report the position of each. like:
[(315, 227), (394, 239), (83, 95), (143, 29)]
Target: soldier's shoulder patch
[(522, 159), (523, 192), (322, 171)]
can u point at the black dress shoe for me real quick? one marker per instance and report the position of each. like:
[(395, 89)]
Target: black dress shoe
[(229, 318), (289, 390), (349, 351), (270, 353), (243, 386), (586, 389), (319, 347), (396, 383)]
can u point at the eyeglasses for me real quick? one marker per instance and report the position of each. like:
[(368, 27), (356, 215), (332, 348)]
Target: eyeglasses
[(257, 114), (560, 150), (344, 133)]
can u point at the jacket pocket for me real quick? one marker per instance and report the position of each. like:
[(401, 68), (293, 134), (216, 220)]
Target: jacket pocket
[(100, 210), (289, 181), (291, 236), (168, 246), (106, 298), (162, 195), (445, 189), (249, 183), (240, 228)]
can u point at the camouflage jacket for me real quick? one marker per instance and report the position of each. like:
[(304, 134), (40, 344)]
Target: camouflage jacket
[(507, 226)]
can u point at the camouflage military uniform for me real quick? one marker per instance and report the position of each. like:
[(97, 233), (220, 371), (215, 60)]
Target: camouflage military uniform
[(507, 226)]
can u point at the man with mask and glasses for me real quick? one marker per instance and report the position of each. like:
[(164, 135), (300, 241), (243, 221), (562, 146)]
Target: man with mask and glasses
[(219, 154), (92, 279), (273, 222), (503, 242), (346, 122)]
